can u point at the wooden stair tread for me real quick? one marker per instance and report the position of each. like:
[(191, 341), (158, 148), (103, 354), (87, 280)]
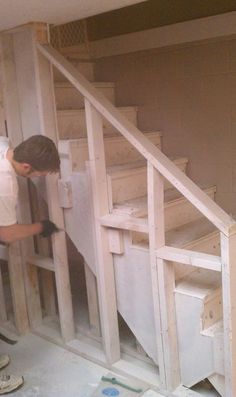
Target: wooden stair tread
[(138, 206), (199, 283), (192, 231), (216, 329), (113, 169), (186, 235)]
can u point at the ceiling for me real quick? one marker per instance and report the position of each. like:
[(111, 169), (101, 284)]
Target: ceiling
[(18, 12)]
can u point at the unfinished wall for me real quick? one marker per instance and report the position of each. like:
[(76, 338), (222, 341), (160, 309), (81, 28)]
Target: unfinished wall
[(190, 94), (153, 13)]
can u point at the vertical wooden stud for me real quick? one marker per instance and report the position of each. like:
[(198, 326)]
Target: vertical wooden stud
[(92, 296), (228, 254), (37, 115), (13, 117), (105, 270), (48, 127), (3, 309), (163, 284), (47, 286)]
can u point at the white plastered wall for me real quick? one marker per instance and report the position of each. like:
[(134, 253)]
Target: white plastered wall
[(189, 92)]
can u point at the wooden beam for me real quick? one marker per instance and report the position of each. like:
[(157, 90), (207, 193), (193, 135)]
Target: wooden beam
[(163, 285), (16, 262), (228, 252), (125, 222), (92, 297), (3, 252), (104, 270), (42, 262), (37, 110), (192, 258), (48, 126), (46, 277), (3, 308), (116, 241), (17, 288)]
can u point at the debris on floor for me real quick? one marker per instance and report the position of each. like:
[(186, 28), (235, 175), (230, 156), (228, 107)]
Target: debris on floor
[(113, 386)]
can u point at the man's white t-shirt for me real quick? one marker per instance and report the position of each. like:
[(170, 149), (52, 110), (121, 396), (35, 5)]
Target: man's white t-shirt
[(8, 187)]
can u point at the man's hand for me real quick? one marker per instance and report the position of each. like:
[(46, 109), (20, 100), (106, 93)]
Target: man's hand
[(48, 228)]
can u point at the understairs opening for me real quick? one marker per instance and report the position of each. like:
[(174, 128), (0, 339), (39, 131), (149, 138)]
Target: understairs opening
[(84, 328), (130, 345), (7, 305), (206, 389)]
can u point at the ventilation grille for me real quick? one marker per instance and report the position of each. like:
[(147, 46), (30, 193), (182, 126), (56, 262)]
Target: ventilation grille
[(68, 35)]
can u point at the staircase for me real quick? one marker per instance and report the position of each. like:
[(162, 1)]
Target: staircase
[(198, 296)]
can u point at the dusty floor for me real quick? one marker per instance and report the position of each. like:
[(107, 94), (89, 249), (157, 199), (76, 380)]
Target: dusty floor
[(50, 371)]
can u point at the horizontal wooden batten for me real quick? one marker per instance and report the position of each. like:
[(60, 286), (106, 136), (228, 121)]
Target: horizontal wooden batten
[(125, 222), (41, 261), (192, 258)]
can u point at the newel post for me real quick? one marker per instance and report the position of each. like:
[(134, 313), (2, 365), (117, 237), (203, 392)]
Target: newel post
[(163, 284), (228, 253), (104, 260)]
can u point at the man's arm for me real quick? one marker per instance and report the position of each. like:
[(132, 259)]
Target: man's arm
[(9, 234)]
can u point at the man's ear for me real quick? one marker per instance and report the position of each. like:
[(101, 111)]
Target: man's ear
[(27, 168)]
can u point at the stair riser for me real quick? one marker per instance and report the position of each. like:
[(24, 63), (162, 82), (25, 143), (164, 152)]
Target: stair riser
[(69, 98), (212, 305), (85, 68), (71, 123), (117, 151), (195, 350), (132, 183)]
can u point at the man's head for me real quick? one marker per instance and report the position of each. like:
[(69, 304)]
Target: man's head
[(36, 156)]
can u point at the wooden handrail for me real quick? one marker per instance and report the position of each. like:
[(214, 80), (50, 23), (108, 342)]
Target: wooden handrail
[(150, 152)]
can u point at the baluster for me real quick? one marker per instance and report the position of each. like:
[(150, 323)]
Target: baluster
[(163, 284), (228, 252), (105, 270)]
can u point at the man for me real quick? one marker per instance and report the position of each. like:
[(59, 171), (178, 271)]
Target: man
[(36, 156)]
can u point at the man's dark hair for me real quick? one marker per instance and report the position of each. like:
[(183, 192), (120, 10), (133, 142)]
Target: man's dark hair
[(38, 151)]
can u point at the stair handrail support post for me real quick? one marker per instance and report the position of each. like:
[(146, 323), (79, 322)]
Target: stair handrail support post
[(48, 127), (32, 120), (163, 284), (20, 272), (228, 254), (104, 264)]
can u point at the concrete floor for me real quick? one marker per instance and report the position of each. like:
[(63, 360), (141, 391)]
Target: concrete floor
[(50, 371)]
